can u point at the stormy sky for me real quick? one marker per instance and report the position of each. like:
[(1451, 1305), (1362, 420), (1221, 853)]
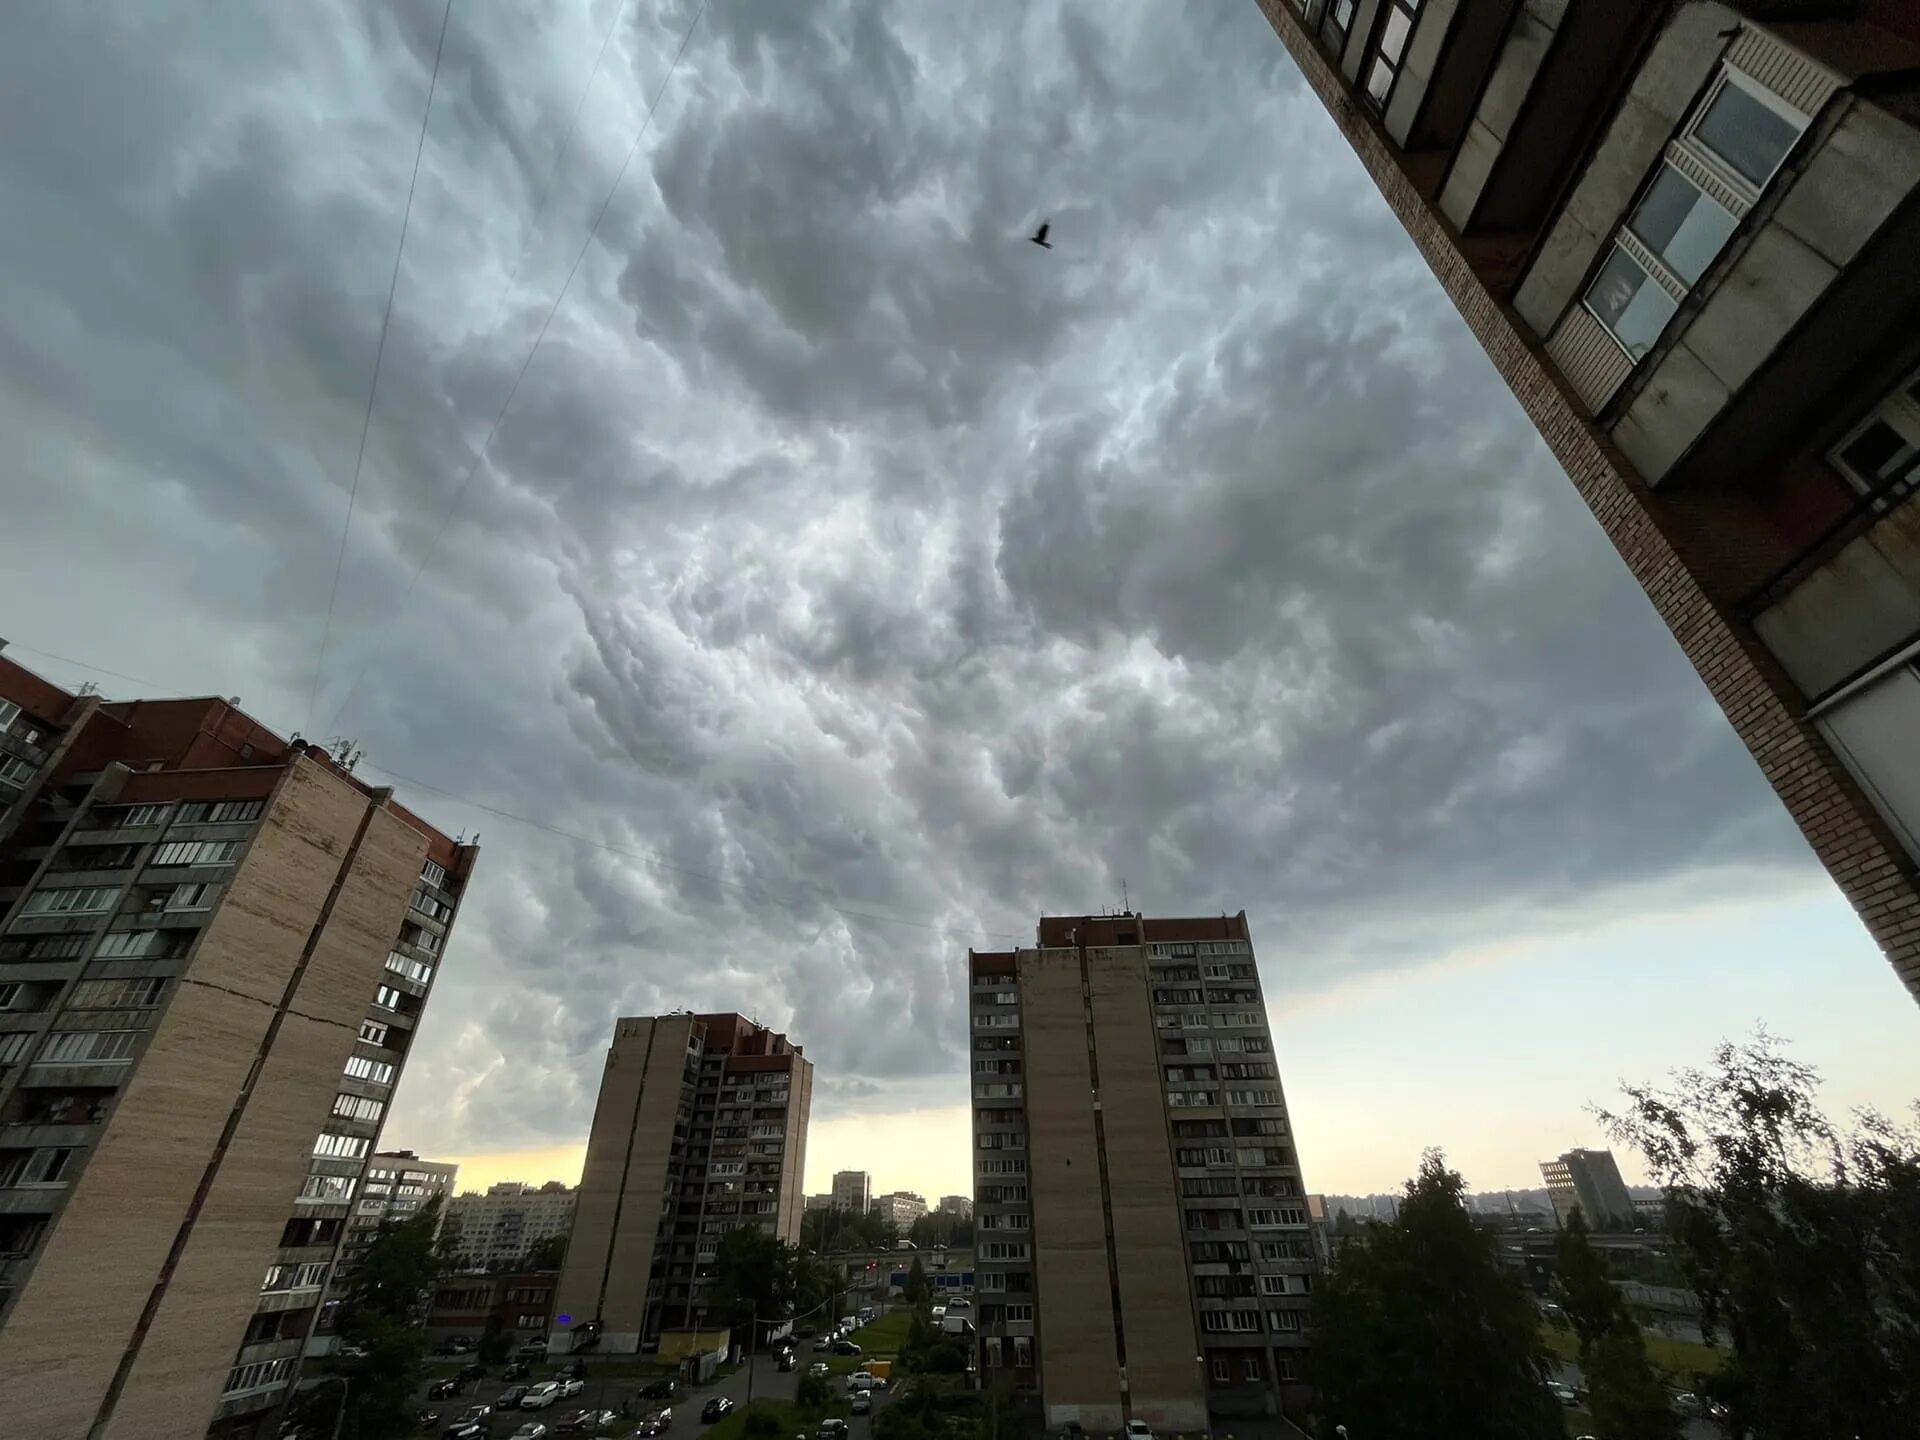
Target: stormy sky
[(857, 581)]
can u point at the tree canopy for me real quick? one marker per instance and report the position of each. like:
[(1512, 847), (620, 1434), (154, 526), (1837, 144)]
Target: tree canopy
[(388, 1292), (1626, 1397), (1416, 1320), (1801, 1239)]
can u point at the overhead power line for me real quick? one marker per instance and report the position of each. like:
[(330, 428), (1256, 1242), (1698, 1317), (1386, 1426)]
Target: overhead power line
[(379, 354), (826, 901), (473, 466)]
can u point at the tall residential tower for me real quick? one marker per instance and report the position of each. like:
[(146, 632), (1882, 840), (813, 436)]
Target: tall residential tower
[(1685, 231), (1140, 1227)]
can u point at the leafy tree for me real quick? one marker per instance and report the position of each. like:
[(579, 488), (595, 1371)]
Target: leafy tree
[(495, 1342), (546, 1253), (812, 1393), (1802, 1241), (929, 1350), (1623, 1392), (917, 1288), (385, 1303), (753, 1275), (1418, 1320)]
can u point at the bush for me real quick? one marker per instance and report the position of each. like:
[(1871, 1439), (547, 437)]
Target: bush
[(812, 1393), (763, 1422)]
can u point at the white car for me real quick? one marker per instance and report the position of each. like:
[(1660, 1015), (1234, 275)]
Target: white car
[(532, 1430), (1139, 1430), (570, 1387), (862, 1402), (546, 1393), (860, 1380)]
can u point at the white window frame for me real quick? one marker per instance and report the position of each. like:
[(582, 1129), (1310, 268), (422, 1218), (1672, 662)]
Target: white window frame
[(16, 772), (1899, 412), (9, 712)]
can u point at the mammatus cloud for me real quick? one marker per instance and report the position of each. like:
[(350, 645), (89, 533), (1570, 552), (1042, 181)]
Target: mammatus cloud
[(838, 543)]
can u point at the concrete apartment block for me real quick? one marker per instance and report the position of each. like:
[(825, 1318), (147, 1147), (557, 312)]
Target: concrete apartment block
[(192, 955), (1684, 232)]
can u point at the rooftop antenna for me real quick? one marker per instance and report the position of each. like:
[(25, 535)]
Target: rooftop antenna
[(1126, 905)]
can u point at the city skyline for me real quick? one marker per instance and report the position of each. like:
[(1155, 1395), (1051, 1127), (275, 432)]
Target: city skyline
[(877, 626)]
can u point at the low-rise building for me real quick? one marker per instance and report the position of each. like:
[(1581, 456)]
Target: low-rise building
[(517, 1302), (960, 1205)]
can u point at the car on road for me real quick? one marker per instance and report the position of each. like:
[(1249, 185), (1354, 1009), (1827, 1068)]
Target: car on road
[(823, 1343), (539, 1397), (510, 1398), (833, 1428), (668, 1390), (517, 1370), (818, 1369), (718, 1408), (655, 1424), (468, 1423), (1563, 1392), (1686, 1402), (532, 1430), (860, 1380), (444, 1389), (1138, 1430), (862, 1402), (845, 1347), (787, 1362), (532, 1349), (570, 1386), (586, 1422)]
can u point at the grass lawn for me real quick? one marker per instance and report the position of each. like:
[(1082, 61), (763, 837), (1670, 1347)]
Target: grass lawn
[(793, 1420), (879, 1341), (1679, 1360)]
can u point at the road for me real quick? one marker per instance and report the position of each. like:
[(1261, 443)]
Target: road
[(1695, 1428), (607, 1394)]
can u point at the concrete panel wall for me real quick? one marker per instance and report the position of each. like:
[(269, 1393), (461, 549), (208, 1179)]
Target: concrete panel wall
[(1416, 66), (793, 1168), (1163, 1370), (1079, 1370), (1685, 53), (77, 1316), (214, 1288), (1526, 45), (1858, 606)]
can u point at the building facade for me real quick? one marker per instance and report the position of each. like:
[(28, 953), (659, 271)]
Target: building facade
[(960, 1206), (1141, 1239), (900, 1209), (519, 1303), (1684, 231), (499, 1228), (700, 1128), (852, 1191), (822, 1201), (1589, 1181), (214, 946)]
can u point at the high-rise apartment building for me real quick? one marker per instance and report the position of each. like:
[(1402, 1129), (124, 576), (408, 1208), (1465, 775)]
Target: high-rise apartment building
[(501, 1226), (900, 1209), (1141, 1242), (957, 1205), (822, 1201), (852, 1191), (700, 1128), (1685, 234), (1589, 1181), (214, 946)]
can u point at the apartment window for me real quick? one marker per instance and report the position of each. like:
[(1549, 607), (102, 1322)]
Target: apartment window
[(14, 1044), (49, 1165), (1881, 455), (15, 771), (418, 971), (1230, 1322), (117, 994), (434, 874), (9, 712), (1285, 1322), (306, 1276), (328, 1189), (1708, 179), (192, 897), (387, 998), (357, 1107), (1338, 24), (1220, 1369), (339, 1147), (1389, 49), (88, 1047), (138, 815), (128, 942), (196, 852), (373, 1032), (73, 900)]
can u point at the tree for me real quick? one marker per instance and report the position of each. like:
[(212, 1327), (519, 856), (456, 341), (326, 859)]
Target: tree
[(387, 1295), (546, 1253), (757, 1275), (917, 1288), (1420, 1321), (1623, 1392), (1801, 1241), (812, 1393)]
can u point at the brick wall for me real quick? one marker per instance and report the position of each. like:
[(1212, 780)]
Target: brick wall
[(1843, 829)]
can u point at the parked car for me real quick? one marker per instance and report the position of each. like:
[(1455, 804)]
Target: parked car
[(823, 1343), (532, 1349), (862, 1402), (818, 1369), (454, 1345), (540, 1396), (469, 1422), (845, 1347), (787, 1362), (570, 1386), (517, 1370), (471, 1372), (1138, 1430), (662, 1390), (510, 1398), (860, 1380), (715, 1409), (655, 1424), (1563, 1393), (532, 1430), (586, 1422), (444, 1389), (833, 1428)]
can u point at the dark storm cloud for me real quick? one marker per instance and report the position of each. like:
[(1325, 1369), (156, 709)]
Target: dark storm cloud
[(843, 556)]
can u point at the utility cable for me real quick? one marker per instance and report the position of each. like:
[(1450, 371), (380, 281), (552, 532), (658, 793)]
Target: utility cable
[(473, 466), (379, 354)]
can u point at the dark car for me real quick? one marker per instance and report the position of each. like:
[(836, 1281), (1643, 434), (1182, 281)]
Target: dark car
[(510, 1398), (469, 1422), (787, 1362), (845, 1347), (586, 1422), (444, 1389), (833, 1429), (715, 1409), (656, 1423), (662, 1390), (518, 1370), (471, 1372)]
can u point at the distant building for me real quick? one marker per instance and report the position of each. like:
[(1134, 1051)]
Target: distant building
[(900, 1209), (521, 1300), (1650, 1213), (958, 1205), (852, 1191), (1589, 1181), (502, 1226), (822, 1201)]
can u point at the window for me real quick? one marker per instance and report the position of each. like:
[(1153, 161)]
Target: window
[(418, 971), (1220, 1368), (435, 875), (1286, 1322), (50, 1165), (373, 1032), (191, 897), (339, 1147), (9, 712), (117, 994), (358, 1107), (1338, 21), (128, 942), (1708, 179), (1881, 455), (1250, 1366), (139, 815), (328, 1189), (1231, 1322), (196, 852), (15, 771), (88, 1047), (387, 998), (1389, 48), (13, 1044), (80, 900), (1019, 1312)]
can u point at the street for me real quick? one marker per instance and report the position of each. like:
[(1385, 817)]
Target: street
[(1692, 1428)]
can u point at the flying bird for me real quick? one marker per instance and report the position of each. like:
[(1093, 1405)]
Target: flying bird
[(1039, 237)]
